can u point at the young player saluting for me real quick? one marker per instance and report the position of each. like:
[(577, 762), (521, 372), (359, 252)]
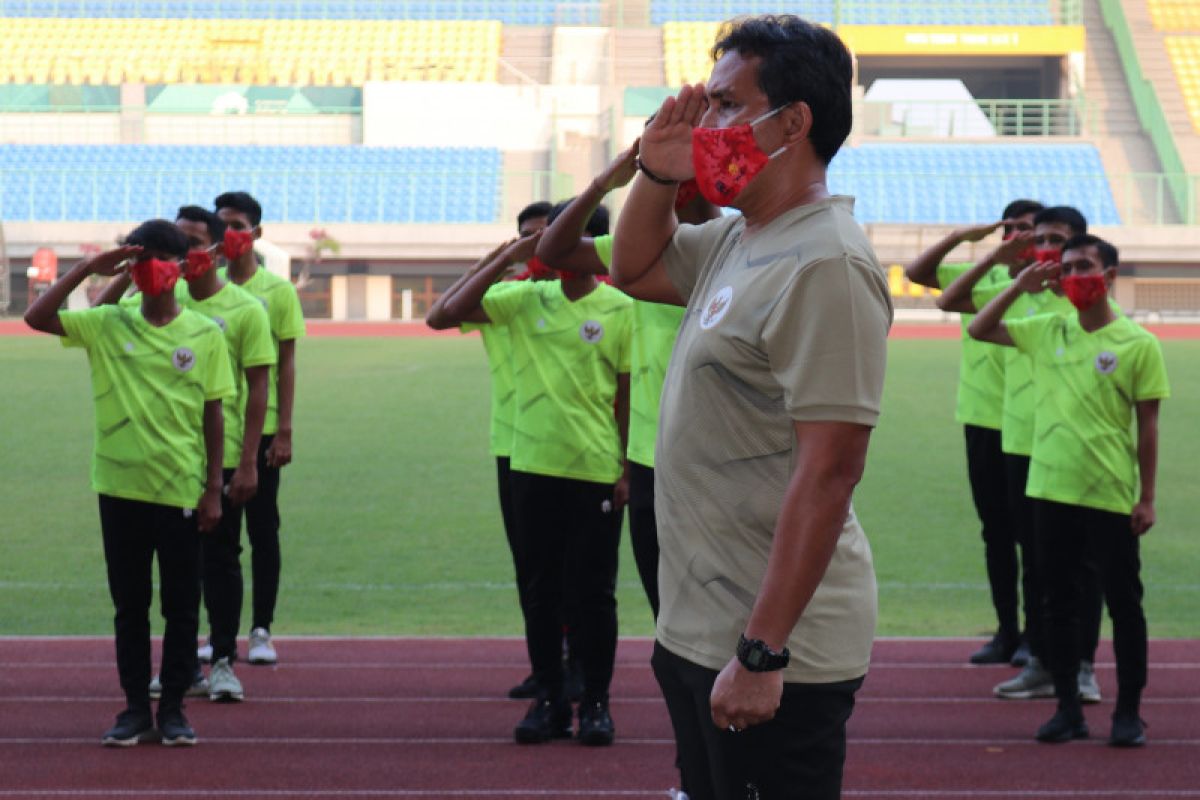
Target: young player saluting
[(159, 373), (1092, 484), (243, 215)]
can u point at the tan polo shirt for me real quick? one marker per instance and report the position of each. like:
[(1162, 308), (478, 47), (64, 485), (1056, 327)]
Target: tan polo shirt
[(787, 324)]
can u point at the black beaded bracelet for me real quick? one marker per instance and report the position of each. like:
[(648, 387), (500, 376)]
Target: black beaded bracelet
[(641, 165)]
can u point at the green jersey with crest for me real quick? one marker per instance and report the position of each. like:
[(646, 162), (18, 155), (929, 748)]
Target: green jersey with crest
[(497, 343), (981, 365), (566, 359), (279, 298), (1016, 431), (247, 331), (1087, 385), (150, 384)]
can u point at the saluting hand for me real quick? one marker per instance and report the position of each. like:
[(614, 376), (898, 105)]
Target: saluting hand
[(666, 144), (621, 171), (1010, 252), (1038, 277), (977, 232), (110, 261)]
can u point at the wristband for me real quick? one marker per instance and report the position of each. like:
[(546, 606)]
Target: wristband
[(641, 165)]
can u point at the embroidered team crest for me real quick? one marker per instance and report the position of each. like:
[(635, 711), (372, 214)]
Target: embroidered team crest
[(1106, 363), (591, 331), (183, 359), (714, 312)]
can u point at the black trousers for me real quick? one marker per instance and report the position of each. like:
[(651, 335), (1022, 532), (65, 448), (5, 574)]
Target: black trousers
[(262, 528), (643, 529), (798, 755), (504, 489), (134, 532), (222, 578), (567, 537), (986, 472), (1082, 550)]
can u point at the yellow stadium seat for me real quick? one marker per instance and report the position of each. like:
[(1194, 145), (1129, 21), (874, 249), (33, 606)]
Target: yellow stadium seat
[(1175, 15), (1184, 53), (896, 280)]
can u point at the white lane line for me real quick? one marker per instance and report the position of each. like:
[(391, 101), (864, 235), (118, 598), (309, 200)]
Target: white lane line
[(616, 700), (458, 741), (518, 664)]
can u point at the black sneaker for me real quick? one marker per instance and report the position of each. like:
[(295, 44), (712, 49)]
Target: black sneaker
[(525, 690), (1021, 657), (998, 651), (1063, 727), (133, 725), (174, 728), (595, 724), (545, 720), (1128, 730)]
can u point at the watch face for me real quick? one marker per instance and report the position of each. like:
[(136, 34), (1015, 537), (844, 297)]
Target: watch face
[(755, 657)]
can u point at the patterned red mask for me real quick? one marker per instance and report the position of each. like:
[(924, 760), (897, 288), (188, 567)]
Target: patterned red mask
[(1028, 254), (236, 244), (1084, 291), (198, 263), (686, 193), (727, 159), (153, 276), (1048, 255)]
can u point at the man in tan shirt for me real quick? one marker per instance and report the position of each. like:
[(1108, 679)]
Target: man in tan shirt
[(768, 590)]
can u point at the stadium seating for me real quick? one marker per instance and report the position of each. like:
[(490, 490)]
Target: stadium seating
[(1175, 15), (1184, 52), (306, 52), (513, 12), (295, 184), (864, 12), (961, 183)]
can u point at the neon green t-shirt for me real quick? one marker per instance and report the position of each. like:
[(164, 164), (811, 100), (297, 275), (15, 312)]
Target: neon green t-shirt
[(1016, 430), (655, 327), (150, 385), (497, 343), (279, 298), (981, 365), (247, 331), (566, 358), (1086, 384)]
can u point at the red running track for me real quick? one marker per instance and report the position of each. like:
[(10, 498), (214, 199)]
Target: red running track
[(404, 718)]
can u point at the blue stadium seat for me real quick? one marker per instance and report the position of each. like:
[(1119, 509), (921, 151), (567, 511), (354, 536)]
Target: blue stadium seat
[(294, 184)]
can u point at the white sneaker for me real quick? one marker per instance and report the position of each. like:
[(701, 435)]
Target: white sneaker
[(204, 653), (1089, 687), (223, 685), (261, 650), (155, 688), (1032, 681), (199, 686)]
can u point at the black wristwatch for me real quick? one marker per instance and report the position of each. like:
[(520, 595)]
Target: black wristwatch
[(757, 657)]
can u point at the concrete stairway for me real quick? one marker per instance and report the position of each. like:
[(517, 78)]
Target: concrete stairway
[(1124, 147), (525, 54), (1152, 52)]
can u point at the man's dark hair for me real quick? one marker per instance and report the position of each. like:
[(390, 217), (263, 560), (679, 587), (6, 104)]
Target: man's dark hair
[(161, 236), (1019, 208), (1063, 214), (1109, 256), (597, 224), (240, 201), (533, 211), (800, 62), (216, 228)]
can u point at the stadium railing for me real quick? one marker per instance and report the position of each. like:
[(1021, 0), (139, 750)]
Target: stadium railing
[(924, 118), (1180, 186)]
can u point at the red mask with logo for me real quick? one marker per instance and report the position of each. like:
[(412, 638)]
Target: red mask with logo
[(236, 244), (1048, 255), (153, 276), (1084, 291), (198, 263), (727, 159)]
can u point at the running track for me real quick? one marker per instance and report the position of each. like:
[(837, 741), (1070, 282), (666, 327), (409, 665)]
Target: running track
[(15, 327), (419, 718)]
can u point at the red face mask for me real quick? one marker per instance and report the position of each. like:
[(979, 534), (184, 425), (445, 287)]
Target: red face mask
[(727, 159), (568, 275), (236, 244), (686, 193), (198, 263), (1028, 254), (1084, 291), (153, 276), (1048, 255)]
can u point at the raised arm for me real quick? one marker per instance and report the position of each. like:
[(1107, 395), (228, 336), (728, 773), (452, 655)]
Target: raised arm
[(464, 304), (647, 221), (923, 270), (563, 244), (957, 296), (1143, 516), (42, 315), (988, 324)]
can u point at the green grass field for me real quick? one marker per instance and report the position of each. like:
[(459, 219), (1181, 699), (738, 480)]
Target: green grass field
[(391, 524)]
